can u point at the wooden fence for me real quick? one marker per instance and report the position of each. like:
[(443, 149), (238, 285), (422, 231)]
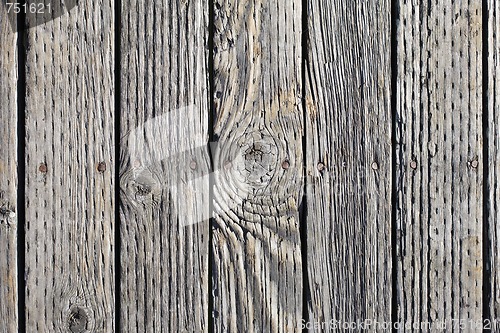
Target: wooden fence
[(251, 166)]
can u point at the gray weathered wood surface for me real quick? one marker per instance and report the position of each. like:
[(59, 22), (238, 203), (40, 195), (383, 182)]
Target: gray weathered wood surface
[(164, 166), (439, 161), (257, 274), (325, 195), (348, 160), (8, 176), (493, 178), (69, 172)]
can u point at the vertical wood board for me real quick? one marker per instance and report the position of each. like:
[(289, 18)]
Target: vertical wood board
[(440, 162), (348, 161), (257, 268), (70, 171), (8, 175), (164, 166)]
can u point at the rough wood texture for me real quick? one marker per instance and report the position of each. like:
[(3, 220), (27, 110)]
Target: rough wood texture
[(164, 197), (69, 193), (8, 175), (349, 160), (493, 181), (439, 157), (257, 273)]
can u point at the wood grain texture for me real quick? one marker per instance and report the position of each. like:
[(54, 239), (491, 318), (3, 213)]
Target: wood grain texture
[(349, 161), (493, 180), (69, 198), (8, 175), (164, 166), (439, 157), (257, 268)]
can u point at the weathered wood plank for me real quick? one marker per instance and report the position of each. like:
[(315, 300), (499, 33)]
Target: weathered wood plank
[(493, 180), (164, 166), (440, 178), (349, 161), (257, 273), (8, 175), (69, 171)]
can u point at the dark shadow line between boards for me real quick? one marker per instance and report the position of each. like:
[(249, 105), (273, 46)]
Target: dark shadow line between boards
[(21, 169), (486, 292), (212, 138), (394, 12), (306, 294)]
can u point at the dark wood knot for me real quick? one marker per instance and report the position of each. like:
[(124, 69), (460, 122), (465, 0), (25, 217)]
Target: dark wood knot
[(142, 190), (78, 320)]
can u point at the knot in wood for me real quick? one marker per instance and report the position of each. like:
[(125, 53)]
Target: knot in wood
[(142, 190), (78, 320), (258, 160), (7, 215), (140, 187)]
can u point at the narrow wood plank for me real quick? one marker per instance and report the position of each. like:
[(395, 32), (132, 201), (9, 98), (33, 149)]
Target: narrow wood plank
[(257, 272), (440, 178), (349, 161), (8, 175), (493, 180), (164, 166), (69, 171)]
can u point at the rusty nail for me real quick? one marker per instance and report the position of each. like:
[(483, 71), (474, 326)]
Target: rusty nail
[(413, 165), (42, 168), (101, 167), (193, 165), (474, 164), (285, 165), (321, 166), (374, 166)]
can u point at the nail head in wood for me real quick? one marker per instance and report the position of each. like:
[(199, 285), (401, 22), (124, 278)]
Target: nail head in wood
[(321, 166), (101, 167), (474, 164), (193, 165), (375, 166), (42, 168), (285, 165), (413, 164)]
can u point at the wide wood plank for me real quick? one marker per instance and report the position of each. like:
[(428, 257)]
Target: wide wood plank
[(349, 161), (257, 268), (8, 174), (440, 178), (493, 180), (69, 171), (164, 166)]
